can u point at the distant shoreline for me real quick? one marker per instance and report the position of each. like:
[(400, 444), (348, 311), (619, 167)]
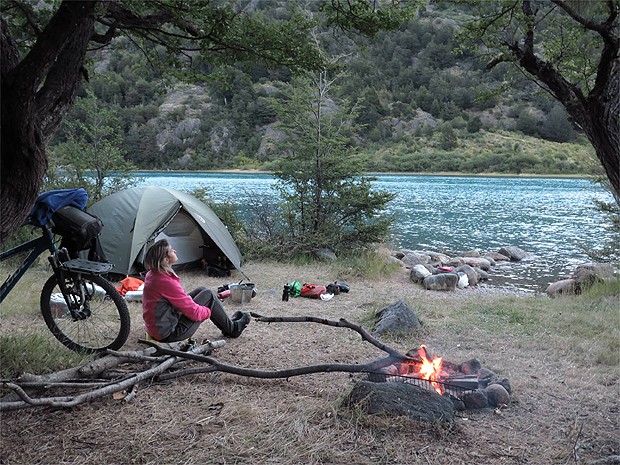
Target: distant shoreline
[(444, 174)]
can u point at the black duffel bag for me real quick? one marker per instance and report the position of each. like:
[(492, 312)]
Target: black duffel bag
[(78, 228)]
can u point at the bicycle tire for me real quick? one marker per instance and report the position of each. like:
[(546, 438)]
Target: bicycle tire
[(106, 327)]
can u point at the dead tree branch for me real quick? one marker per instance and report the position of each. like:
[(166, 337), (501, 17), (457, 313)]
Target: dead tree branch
[(162, 357)]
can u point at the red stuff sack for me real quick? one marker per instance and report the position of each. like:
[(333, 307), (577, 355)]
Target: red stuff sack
[(312, 291)]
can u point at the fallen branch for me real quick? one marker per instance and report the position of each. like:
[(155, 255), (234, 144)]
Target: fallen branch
[(342, 323), (164, 357), (26, 400)]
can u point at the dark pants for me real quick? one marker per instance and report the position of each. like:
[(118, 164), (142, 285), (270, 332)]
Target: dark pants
[(186, 327)]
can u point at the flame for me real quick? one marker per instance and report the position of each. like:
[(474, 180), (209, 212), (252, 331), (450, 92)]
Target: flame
[(431, 369), (428, 369)]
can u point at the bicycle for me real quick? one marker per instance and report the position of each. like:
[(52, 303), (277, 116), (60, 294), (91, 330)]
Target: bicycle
[(81, 308)]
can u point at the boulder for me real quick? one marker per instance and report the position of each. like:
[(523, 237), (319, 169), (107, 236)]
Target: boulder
[(498, 257), (394, 260), (515, 254), (455, 261), (471, 273), (415, 258), (397, 318), (437, 257), (482, 275), (441, 282), (325, 255), (478, 262), (587, 274), (418, 273), (470, 253), (497, 395), (565, 286), (401, 399)]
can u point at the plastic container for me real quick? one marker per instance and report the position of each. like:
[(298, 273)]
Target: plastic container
[(133, 296), (241, 293)]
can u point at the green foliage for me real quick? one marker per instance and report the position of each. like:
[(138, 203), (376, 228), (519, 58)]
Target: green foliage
[(326, 200), (227, 212), (397, 76), (368, 264), (90, 153), (366, 17)]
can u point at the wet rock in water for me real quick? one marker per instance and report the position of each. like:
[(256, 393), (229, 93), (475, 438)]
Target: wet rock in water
[(498, 257), (478, 262), (441, 282), (397, 318), (497, 395), (515, 254), (401, 399)]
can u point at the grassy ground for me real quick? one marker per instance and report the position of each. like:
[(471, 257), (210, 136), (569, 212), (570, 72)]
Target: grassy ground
[(561, 357)]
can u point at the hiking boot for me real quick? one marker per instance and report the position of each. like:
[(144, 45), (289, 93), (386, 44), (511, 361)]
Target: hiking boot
[(240, 324), (237, 315)]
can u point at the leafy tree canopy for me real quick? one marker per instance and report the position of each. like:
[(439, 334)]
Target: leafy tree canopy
[(568, 47), (44, 45)]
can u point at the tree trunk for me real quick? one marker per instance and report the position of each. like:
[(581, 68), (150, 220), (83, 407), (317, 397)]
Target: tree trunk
[(598, 113), (37, 93)]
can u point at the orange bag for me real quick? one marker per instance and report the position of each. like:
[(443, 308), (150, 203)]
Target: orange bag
[(129, 284), (312, 291)]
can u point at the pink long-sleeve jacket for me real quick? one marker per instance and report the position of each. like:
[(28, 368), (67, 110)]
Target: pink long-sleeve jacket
[(163, 302)]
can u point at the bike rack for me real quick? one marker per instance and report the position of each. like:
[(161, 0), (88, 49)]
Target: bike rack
[(86, 266)]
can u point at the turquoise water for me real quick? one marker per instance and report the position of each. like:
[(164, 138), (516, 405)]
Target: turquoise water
[(549, 218)]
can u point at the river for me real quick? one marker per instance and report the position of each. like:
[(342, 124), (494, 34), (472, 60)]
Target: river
[(552, 219)]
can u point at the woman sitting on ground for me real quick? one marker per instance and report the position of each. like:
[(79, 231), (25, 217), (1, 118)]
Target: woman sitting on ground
[(170, 314)]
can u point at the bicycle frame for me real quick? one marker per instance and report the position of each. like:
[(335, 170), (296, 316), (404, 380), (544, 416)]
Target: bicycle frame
[(37, 247)]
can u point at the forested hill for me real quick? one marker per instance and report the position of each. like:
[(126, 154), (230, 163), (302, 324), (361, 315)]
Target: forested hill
[(424, 109)]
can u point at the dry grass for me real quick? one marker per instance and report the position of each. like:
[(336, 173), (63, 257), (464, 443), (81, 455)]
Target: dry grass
[(564, 411)]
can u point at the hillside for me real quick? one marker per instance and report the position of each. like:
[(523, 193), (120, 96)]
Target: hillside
[(425, 108)]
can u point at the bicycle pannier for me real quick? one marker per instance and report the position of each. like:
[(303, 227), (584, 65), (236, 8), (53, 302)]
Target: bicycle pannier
[(77, 227)]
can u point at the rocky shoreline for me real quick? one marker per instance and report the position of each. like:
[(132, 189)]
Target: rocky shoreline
[(470, 270)]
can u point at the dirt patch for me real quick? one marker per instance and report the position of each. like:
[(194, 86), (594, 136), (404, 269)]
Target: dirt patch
[(560, 412)]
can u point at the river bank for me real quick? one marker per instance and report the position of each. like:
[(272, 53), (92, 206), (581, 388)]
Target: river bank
[(552, 351)]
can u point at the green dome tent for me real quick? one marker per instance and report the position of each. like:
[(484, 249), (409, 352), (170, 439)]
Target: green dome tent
[(135, 218)]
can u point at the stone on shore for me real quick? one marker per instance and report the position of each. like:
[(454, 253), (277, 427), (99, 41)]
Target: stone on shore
[(441, 282)]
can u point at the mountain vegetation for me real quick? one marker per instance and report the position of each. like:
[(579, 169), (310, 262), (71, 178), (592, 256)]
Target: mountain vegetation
[(193, 84), (423, 107)]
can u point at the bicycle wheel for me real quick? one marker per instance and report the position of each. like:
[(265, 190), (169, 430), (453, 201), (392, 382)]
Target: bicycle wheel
[(100, 319)]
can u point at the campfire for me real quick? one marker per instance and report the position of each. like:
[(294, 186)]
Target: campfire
[(468, 382)]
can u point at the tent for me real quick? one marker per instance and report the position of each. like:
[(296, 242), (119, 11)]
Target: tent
[(135, 218)]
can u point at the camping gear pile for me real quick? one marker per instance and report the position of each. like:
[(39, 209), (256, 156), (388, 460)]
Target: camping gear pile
[(313, 291), (237, 292)]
